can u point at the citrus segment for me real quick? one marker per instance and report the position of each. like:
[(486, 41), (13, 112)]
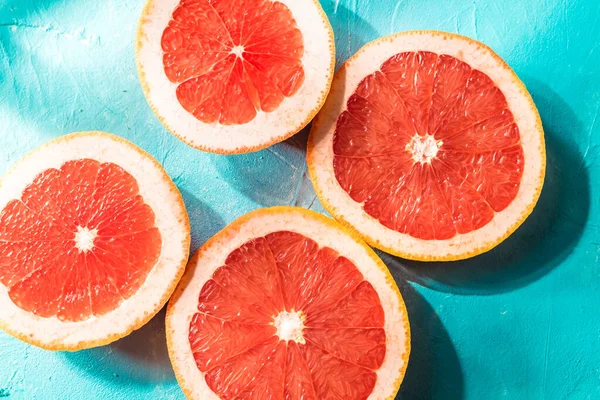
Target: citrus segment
[(78, 240), (217, 301), (270, 379), (495, 133), (334, 378), (298, 381), (312, 278), (230, 378), (285, 317), (362, 346), (449, 85), (462, 199), (335, 283), (26, 293), (411, 75), (214, 340), (105, 291), (255, 263), (495, 174), (427, 139), (360, 309)]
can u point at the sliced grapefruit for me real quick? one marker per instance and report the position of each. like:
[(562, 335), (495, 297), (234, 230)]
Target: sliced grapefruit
[(429, 146), (94, 238), (233, 76), (285, 303)]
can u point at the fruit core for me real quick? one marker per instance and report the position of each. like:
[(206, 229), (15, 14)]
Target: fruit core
[(238, 51), (423, 148), (84, 238), (290, 326)]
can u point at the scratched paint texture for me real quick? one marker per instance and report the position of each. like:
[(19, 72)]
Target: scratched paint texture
[(520, 322)]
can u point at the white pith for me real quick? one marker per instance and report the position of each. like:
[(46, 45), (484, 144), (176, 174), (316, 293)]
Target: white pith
[(290, 116), (423, 149), (212, 256), (290, 325), (238, 51), (368, 60), (170, 219), (84, 238)]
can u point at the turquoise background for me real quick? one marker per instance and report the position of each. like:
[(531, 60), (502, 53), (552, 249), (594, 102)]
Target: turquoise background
[(521, 322)]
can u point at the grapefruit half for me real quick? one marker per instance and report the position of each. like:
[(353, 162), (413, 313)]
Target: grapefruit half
[(285, 303), (233, 76), (429, 146), (94, 238)]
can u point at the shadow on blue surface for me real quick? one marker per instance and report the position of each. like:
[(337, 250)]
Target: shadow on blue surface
[(269, 177), (434, 370), (204, 221), (350, 30), (277, 175), (142, 357), (546, 238), (138, 359)]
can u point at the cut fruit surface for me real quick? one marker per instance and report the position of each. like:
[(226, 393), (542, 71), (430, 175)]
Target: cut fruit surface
[(286, 304), (429, 146), (233, 76), (93, 239)]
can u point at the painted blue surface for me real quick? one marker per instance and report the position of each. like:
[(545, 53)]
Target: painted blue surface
[(521, 322)]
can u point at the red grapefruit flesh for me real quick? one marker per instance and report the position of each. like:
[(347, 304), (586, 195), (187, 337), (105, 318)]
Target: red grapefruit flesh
[(80, 239), (423, 97), (428, 144), (232, 76), (232, 58), (84, 239), (287, 272), (285, 317)]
